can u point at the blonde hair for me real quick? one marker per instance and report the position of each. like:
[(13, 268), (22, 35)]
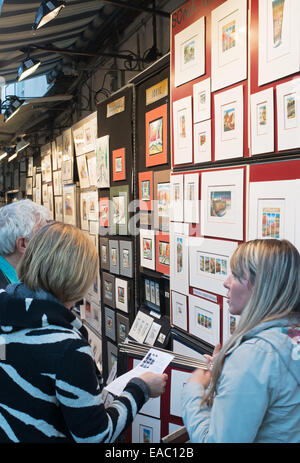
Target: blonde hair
[(61, 260), (272, 268)]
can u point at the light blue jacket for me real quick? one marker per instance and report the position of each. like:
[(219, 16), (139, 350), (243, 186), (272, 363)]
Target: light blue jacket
[(258, 392)]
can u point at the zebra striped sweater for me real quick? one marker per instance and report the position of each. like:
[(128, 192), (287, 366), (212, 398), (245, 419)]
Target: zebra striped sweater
[(49, 385)]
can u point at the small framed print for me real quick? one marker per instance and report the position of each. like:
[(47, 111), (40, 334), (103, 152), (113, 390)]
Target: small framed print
[(58, 203), (191, 198), (118, 220), (182, 131), (69, 203), (114, 256), (84, 201), (202, 142), (146, 190), (288, 114), (178, 380), (201, 101), (229, 43), (190, 52), (152, 292), (156, 136), (122, 290), (92, 168), (54, 155), (45, 194), (110, 323), (153, 333), (230, 321), (262, 122), (59, 149), (67, 171), (29, 186), (179, 269), (279, 39), (222, 204), (122, 328), (83, 171), (78, 136), (112, 356), (163, 253), (50, 202), (140, 327), (210, 263), (109, 289), (126, 263), (67, 145), (57, 183), (102, 162), (147, 248), (229, 123), (47, 166), (145, 430), (204, 320), (104, 254), (176, 210), (119, 166), (104, 212), (30, 166), (93, 213), (179, 310), (162, 197)]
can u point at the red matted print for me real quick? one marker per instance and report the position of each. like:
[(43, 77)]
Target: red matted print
[(156, 136), (104, 212), (146, 190), (119, 169), (163, 253)]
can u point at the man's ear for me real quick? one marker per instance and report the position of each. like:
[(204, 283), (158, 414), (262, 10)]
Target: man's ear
[(21, 244)]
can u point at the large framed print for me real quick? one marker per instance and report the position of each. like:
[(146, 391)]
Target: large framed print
[(118, 210), (210, 263), (222, 204), (204, 320), (179, 269), (201, 101), (182, 131), (145, 430), (102, 161), (84, 218), (279, 39), (110, 323), (83, 171), (163, 253), (179, 310), (156, 129), (178, 380), (288, 114), (191, 198), (114, 263), (176, 210), (262, 122), (162, 197), (122, 328), (202, 142), (147, 248), (104, 254), (126, 258), (69, 204), (230, 322), (229, 123), (146, 190), (229, 44), (119, 164), (272, 208), (190, 52), (109, 289), (122, 294)]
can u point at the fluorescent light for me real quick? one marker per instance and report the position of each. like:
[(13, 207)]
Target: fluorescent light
[(12, 157), (13, 108), (47, 11), (2, 156), (21, 145), (27, 67)]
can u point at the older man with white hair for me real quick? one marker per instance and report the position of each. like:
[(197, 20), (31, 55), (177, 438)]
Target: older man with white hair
[(19, 221)]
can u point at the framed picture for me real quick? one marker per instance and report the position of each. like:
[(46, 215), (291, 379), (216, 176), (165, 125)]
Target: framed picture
[(84, 217), (182, 131), (57, 183), (104, 211), (122, 296), (89, 134), (67, 171), (190, 52), (112, 356), (222, 203), (30, 166), (146, 190), (38, 189), (102, 162), (230, 321), (147, 248), (59, 144), (93, 213), (145, 430), (201, 101), (202, 142), (191, 198), (179, 310), (178, 380), (204, 320), (92, 168), (114, 263), (229, 43), (288, 114), (29, 186), (229, 124), (179, 269), (83, 171), (156, 129), (210, 263), (279, 39), (104, 254), (262, 122), (67, 145), (109, 289), (140, 327), (54, 155), (126, 258), (50, 201), (122, 328), (94, 227), (59, 214), (162, 198), (46, 168), (163, 253), (78, 136), (152, 334), (110, 323), (119, 166), (69, 204), (176, 209), (272, 209), (118, 221)]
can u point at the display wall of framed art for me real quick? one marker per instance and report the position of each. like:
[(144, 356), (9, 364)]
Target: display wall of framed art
[(162, 197), (182, 131), (262, 122), (156, 127), (288, 114), (147, 248), (204, 320)]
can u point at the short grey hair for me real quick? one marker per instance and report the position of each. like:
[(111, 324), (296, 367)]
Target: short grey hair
[(19, 220)]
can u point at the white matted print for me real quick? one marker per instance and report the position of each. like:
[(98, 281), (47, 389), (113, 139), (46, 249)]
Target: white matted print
[(191, 198), (222, 201), (262, 122), (121, 287), (69, 204), (141, 326), (279, 39), (210, 263), (176, 206), (204, 320), (229, 43), (288, 114), (178, 380), (83, 171), (179, 268), (182, 131), (145, 430), (190, 52), (201, 101), (179, 310), (272, 208), (230, 322), (229, 123), (102, 161), (147, 248), (202, 142)]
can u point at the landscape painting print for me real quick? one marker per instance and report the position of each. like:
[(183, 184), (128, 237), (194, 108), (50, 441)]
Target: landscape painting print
[(147, 248), (229, 119), (220, 203), (102, 161), (156, 136), (189, 51)]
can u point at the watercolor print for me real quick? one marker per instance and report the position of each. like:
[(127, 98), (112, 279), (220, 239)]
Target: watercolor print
[(147, 248), (229, 119), (262, 118), (177, 196), (290, 119), (189, 51), (204, 319), (156, 136), (220, 203), (229, 36), (182, 134), (114, 257), (104, 216), (191, 191), (121, 294), (102, 162), (118, 165), (104, 253), (68, 204), (278, 12), (164, 253), (163, 198), (146, 434), (126, 258), (108, 286), (119, 210), (212, 265), (179, 255), (270, 222), (145, 188)]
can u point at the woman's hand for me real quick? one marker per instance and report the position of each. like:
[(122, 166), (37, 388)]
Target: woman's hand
[(200, 376), (156, 383), (211, 358)]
